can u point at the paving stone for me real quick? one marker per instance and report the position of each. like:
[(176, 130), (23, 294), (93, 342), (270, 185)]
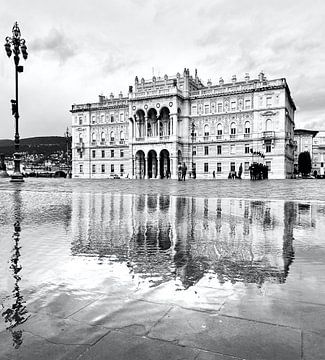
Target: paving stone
[(36, 348), (64, 331), (120, 346), (229, 336), (61, 303), (134, 316), (313, 346), (197, 297)]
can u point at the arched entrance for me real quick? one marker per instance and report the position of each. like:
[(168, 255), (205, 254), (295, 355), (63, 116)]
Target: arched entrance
[(179, 157), (152, 164), (164, 164), (139, 166)]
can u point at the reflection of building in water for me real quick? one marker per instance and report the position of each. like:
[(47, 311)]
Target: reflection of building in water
[(16, 314), (162, 236)]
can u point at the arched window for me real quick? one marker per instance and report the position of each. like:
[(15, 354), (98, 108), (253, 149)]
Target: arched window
[(233, 130), (93, 137), (111, 137), (206, 130), (219, 131), (102, 137), (122, 137), (247, 129), (268, 125), (80, 138)]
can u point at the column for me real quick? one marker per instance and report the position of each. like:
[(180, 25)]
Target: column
[(146, 169), (145, 126), (174, 124), (158, 167)]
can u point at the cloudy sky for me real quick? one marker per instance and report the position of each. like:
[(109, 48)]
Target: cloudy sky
[(80, 49)]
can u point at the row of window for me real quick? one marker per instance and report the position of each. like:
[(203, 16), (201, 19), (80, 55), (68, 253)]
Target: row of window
[(212, 108), (109, 118), (102, 168), (111, 136), (103, 153), (247, 149), (232, 167)]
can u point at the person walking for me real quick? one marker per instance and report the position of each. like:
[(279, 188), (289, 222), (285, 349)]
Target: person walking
[(184, 169), (179, 172), (240, 170)]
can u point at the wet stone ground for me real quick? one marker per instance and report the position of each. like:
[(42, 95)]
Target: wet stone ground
[(123, 269)]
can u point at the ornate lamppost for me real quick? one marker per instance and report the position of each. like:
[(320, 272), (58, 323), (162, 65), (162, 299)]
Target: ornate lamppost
[(19, 46), (68, 163)]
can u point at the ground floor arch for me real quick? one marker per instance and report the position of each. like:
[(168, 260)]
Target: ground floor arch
[(153, 171), (139, 165), (164, 164)]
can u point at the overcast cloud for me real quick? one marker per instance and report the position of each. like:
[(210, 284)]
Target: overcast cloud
[(80, 49)]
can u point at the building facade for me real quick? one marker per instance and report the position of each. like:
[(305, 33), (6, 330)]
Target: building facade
[(163, 122)]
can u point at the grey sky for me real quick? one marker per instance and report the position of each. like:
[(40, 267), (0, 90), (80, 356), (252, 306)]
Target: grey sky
[(79, 49)]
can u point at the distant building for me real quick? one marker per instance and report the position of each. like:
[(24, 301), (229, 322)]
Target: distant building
[(170, 120), (318, 159)]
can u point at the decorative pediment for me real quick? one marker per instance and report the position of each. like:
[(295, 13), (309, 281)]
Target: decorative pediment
[(269, 113)]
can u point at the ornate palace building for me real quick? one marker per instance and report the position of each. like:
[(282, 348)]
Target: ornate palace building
[(162, 122)]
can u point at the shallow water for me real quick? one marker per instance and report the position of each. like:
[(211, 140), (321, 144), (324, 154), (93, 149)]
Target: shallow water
[(192, 243)]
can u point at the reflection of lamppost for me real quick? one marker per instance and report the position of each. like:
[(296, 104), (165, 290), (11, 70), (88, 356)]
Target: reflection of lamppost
[(18, 45), (192, 136), (67, 138)]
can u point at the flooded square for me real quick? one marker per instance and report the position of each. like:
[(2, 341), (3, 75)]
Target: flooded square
[(209, 270)]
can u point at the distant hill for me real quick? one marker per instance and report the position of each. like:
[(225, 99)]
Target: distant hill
[(36, 145)]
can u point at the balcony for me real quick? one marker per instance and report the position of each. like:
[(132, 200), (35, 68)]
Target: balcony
[(112, 142), (103, 142), (268, 135), (122, 141), (219, 137), (139, 139), (233, 136), (247, 136)]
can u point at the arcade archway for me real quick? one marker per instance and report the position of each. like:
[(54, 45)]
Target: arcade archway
[(164, 158), (139, 166), (152, 164)]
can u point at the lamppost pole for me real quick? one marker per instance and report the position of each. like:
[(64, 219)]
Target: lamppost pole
[(18, 46)]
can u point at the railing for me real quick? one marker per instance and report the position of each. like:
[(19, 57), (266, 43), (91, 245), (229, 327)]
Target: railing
[(93, 142), (228, 88), (80, 145), (139, 139), (155, 92), (268, 134), (164, 137), (247, 135), (112, 142), (122, 141), (219, 137), (233, 136), (102, 142), (107, 103)]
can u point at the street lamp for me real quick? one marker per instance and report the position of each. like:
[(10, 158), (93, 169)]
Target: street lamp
[(67, 137), (19, 46)]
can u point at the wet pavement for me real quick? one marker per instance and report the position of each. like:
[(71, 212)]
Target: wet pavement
[(162, 270)]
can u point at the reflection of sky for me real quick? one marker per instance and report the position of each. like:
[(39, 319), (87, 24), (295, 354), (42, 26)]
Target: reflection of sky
[(100, 241)]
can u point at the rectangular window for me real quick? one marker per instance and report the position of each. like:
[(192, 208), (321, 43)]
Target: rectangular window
[(102, 118), (81, 168), (112, 153), (206, 109), (80, 155), (93, 168), (103, 168), (268, 148), (219, 149), (112, 168), (206, 167), (103, 153), (247, 104), (233, 105), (219, 107), (232, 149), (218, 167), (121, 153), (112, 118), (121, 117), (206, 150), (93, 119), (268, 164), (194, 110), (80, 120), (247, 149), (213, 107), (246, 166), (232, 166), (93, 153), (194, 150), (122, 169), (268, 101)]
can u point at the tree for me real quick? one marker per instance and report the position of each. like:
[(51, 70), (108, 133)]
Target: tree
[(304, 163)]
